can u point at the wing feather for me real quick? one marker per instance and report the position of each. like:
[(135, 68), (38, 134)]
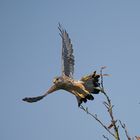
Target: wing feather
[(67, 53)]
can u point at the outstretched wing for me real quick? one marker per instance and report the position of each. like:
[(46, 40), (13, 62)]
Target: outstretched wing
[(67, 53), (38, 98)]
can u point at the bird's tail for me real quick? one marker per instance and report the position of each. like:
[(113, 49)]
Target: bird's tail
[(33, 99)]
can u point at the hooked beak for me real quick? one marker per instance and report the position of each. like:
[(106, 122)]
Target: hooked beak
[(54, 81)]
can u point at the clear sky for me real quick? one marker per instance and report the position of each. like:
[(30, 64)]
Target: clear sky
[(103, 33)]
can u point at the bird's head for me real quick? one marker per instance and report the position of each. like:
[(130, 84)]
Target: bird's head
[(58, 81)]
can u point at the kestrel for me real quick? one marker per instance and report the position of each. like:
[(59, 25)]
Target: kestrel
[(83, 89)]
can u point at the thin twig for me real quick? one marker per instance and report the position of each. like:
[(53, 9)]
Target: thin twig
[(105, 137), (109, 106), (97, 119), (125, 129)]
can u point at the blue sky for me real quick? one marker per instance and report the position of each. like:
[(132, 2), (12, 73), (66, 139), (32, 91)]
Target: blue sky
[(103, 33)]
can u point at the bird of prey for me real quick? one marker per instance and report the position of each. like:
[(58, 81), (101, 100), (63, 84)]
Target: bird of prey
[(82, 89)]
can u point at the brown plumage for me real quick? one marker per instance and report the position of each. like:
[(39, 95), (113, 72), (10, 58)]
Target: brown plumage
[(81, 89)]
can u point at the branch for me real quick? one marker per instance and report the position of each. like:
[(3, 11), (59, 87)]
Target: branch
[(97, 119), (105, 137), (126, 132), (109, 107)]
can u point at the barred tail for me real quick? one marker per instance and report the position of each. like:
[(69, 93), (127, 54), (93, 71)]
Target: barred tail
[(33, 99)]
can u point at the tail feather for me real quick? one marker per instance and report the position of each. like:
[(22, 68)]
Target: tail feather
[(33, 99), (89, 97), (81, 100)]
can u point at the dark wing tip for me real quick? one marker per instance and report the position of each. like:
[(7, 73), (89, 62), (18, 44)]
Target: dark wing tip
[(33, 99)]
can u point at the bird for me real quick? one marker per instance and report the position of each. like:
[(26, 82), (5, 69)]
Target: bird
[(82, 89)]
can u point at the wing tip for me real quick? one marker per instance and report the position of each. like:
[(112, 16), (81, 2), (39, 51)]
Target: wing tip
[(61, 29), (33, 99)]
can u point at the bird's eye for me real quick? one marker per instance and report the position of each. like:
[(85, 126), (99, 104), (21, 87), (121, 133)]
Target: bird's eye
[(56, 80)]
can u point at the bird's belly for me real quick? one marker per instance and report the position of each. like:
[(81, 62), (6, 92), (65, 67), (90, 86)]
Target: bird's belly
[(78, 88)]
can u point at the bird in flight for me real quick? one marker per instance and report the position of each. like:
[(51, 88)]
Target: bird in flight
[(82, 89)]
